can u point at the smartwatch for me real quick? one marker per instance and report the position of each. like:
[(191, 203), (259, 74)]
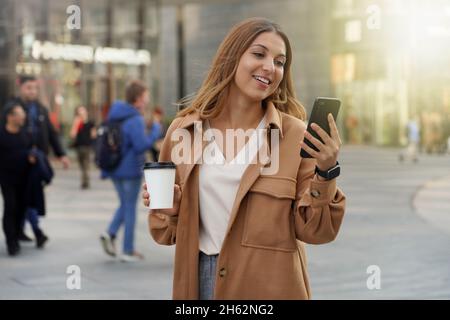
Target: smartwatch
[(331, 173)]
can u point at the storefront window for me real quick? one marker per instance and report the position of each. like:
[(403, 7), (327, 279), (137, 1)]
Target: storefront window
[(30, 25), (95, 22), (57, 18), (125, 24), (343, 8), (342, 68), (150, 43)]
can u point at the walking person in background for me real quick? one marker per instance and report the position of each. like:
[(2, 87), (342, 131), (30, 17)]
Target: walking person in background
[(157, 125), (43, 136), (83, 134), (127, 175), (238, 232), (413, 134), (15, 161)]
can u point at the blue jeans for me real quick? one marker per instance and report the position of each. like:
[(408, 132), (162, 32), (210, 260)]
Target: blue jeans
[(207, 275), (32, 216), (128, 191)]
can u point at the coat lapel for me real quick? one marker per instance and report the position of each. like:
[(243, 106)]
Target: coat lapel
[(194, 123)]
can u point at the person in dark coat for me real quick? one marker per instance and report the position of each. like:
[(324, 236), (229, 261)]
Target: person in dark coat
[(43, 136), (83, 134), (15, 162)]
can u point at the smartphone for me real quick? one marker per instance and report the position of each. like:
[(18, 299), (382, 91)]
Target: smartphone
[(319, 115)]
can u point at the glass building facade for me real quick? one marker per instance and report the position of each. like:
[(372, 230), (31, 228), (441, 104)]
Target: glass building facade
[(391, 62), (387, 60)]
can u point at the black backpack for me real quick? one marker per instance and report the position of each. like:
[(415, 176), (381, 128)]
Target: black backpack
[(109, 144)]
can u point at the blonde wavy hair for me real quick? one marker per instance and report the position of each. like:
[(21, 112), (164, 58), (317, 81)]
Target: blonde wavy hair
[(210, 99)]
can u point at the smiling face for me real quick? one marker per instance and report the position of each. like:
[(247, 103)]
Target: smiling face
[(261, 67)]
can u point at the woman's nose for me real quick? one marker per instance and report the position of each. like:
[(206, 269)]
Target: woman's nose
[(268, 66)]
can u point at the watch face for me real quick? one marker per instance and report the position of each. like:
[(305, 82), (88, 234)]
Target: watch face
[(330, 174), (333, 173)]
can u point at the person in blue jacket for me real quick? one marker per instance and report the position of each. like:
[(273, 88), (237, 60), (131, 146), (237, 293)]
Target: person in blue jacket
[(128, 174)]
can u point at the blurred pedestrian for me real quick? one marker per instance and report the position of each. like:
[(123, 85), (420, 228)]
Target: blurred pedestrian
[(127, 175), (413, 134), (448, 145), (83, 134), (433, 138), (43, 136), (446, 131), (236, 228), (352, 123), (15, 160), (157, 126)]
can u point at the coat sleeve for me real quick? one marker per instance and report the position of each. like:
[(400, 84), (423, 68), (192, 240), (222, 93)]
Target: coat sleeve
[(140, 140), (319, 206), (162, 227)]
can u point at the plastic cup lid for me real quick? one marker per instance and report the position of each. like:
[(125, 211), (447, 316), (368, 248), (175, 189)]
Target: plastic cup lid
[(159, 165)]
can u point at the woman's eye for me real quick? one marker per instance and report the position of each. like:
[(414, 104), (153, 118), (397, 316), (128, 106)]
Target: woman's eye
[(258, 54), (279, 63)]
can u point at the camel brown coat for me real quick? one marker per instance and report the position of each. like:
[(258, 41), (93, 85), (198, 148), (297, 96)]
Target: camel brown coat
[(263, 254)]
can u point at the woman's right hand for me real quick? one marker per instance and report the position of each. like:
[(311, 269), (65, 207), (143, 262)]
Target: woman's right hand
[(176, 200)]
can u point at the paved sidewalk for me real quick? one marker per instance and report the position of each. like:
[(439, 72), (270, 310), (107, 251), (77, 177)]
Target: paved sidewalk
[(396, 219), (75, 220), (432, 203), (382, 228)]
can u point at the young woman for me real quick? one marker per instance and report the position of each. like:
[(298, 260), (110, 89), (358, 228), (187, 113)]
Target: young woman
[(239, 233)]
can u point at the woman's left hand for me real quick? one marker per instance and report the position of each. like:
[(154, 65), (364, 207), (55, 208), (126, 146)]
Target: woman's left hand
[(328, 150), (31, 159)]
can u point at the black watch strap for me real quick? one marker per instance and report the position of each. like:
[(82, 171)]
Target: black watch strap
[(331, 173)]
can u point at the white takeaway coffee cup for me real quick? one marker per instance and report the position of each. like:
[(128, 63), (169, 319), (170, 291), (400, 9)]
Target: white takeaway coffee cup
[(160, 180)]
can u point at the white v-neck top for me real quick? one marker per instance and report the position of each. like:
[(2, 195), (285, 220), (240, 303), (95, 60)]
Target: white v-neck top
[(218, 185)]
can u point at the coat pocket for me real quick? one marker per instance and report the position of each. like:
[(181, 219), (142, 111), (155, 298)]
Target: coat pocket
[(269, 220)]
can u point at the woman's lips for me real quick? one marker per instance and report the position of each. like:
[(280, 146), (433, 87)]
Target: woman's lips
[(261, 85)]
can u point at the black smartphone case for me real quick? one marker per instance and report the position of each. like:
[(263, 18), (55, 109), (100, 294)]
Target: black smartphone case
[(322, 107)]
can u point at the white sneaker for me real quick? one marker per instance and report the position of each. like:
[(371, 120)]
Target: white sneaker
[(108, 244), (135, 257)]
